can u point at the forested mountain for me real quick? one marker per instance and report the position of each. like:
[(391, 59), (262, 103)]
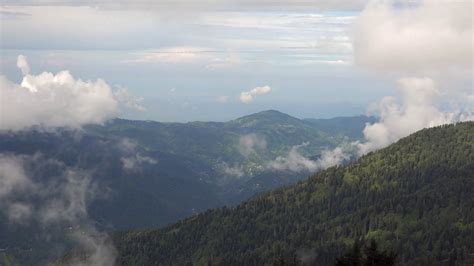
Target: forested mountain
[(145, 174), (175, 169), (414, 197)]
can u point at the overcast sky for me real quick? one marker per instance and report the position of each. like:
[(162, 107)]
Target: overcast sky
[(217, 60)]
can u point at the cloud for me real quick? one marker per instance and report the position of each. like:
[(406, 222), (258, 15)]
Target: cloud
[(250, 143), (174, 55), (131, 101), (70, 202), (236, 170), (331, 158), (13, 178), (132, 162), (433, 35), (199, 5), (19, 212), (426, 43), (133, 158), (417, 111), (58, 201), (296, 162), (23, 65), (98, 247), (57, 100), (248, 96)]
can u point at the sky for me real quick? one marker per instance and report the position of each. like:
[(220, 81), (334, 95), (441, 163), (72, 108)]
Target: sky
[(218, 60)]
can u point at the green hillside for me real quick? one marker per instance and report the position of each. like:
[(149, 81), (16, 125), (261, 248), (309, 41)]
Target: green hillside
[(178, 171), (414, 197)]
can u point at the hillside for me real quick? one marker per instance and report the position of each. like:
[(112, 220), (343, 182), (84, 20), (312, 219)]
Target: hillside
[(149, 174), (414, 197)]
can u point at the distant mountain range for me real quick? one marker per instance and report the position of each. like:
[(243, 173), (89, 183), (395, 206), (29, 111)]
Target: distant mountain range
[(414, 197), (148, 174)]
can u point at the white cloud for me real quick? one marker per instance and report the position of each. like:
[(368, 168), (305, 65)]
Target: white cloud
[(416, 111), (235, 170), (173, 55), (426, 43), (58, 100), (250, 143), (133, 159), (70, 203), (131, 101), (331, 158), (133, 162), (433, 35), (23, 65), (248, 96), (293, 161), (296, 162), (199, 5), (12, 176)]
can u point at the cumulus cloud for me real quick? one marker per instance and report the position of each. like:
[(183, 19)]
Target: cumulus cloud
[(433, 35), (294, 161), (57, 100), (251, 143), (417, 111), (248, 96), (425, 44)]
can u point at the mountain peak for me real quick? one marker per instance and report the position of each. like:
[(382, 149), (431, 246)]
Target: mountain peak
[(267, 114), (266, 117)]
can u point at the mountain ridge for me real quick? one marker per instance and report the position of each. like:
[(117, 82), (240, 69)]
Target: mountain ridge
[(409, 196)]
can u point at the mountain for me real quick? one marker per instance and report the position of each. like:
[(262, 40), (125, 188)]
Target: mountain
[(352, 127), (414, 197), (145, 174)]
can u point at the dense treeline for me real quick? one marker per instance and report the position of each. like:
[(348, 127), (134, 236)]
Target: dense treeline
[(414, 197)]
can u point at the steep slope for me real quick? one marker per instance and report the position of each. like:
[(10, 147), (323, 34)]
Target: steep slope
[(415, 197)]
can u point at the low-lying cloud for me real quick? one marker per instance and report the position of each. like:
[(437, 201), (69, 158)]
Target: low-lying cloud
[(249, 96), (133, 158), (416, 111), (52, 100), (57, 201), (251, 143), (294, 161), (235, 170)]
